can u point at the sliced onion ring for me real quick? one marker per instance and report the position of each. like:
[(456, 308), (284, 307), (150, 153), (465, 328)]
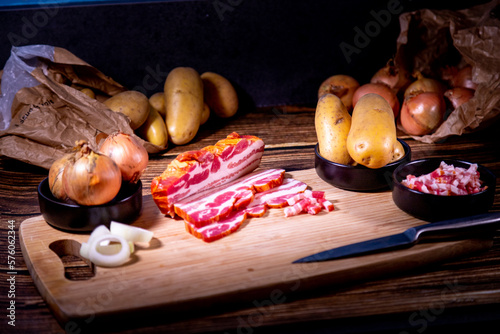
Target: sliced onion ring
[(130, 233), (84, 250), (109, 260), (98, 231), (112, 247), (108, 248)]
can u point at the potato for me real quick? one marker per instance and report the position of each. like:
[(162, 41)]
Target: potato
[(157, 101), (340, 85), (398, 152), (219, 94), (154, 130), (134, 104), (183, 104), (205, 115), (372, 136), (332, 122), (89, 92)]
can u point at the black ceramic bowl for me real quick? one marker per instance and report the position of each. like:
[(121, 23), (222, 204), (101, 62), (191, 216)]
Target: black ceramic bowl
[(124, 208), (433, 208), (358, 178)]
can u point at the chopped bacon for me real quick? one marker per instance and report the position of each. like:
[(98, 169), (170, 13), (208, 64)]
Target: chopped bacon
[(329, 207), (447, 180), (315, 194), (292, 210), (311, 202), (313, 209), (294, 199), (193, 171)]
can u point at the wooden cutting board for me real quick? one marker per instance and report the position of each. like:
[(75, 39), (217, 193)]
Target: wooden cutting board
[(253, 267)]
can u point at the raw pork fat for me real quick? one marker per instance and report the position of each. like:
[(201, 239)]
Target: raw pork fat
[(194, 171)]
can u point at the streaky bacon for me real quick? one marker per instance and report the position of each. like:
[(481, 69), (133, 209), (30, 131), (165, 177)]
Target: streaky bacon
[(193, 171), (278, 196), (274, 197), (217, 204)]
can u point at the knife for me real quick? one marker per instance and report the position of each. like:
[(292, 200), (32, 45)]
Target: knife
[(445, 229)]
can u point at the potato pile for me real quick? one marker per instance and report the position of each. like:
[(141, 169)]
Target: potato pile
[(175, 115)]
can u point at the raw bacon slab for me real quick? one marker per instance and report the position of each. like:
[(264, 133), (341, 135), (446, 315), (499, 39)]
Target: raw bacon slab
[(215, 205), (194, 171), (274, 197)]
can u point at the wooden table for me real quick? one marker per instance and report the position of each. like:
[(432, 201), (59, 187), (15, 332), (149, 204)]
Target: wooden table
[(463, 293)]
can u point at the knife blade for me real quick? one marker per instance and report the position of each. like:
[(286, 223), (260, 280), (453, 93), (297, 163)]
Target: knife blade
[(445, 229)]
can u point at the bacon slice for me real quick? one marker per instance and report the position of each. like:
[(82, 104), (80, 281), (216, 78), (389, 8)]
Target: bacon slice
[(220, 229), (215, 205), (278, 196), (195, 171), (273, 197)]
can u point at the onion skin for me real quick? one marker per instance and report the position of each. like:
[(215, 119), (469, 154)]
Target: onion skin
[(464, 78), (381, 89), (56, 172), (423, 113), (55, 176), (397, 78), (129, 155), (459, 77), (424, 85), (93, 179), (340, 85), (458, 96)]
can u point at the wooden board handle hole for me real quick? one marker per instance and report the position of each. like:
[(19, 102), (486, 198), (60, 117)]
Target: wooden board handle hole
[(76, 268)]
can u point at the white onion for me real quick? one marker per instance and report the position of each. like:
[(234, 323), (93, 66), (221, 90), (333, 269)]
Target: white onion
[(98, 231), (109, 260), (131, 233), (112, 247), (84, 250), (107, 248)]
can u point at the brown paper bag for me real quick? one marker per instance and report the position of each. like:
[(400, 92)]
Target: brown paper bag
[(49, 115), (430, 39)]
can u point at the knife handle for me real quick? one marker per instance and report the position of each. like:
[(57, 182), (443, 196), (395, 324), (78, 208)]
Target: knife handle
[(459, 226)]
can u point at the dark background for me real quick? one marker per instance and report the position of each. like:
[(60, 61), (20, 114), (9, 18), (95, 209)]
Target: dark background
[(275, 51)]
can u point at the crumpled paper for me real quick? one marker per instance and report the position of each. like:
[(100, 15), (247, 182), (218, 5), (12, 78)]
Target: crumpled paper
[(42, 114), (431, 39)]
